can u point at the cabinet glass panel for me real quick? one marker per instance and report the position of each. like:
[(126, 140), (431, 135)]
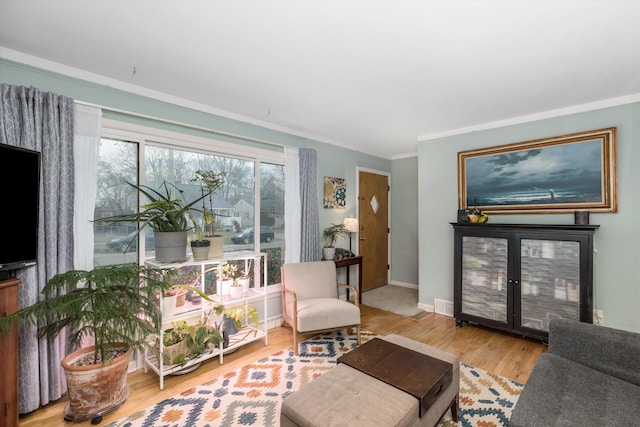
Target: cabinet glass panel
[(484, 277), (550, 282)]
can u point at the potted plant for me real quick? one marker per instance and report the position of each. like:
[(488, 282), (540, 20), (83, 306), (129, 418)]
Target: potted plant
[(244, 281), (245, 312), (168, 215), (331, 233), (229, 273), (210, 182), (233, 320), (187, 340), (113, 305)]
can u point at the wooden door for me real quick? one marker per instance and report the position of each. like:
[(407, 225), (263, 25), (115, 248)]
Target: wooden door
[(373, 207)]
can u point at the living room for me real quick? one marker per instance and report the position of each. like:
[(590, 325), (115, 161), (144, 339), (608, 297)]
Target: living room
[(424, 183)]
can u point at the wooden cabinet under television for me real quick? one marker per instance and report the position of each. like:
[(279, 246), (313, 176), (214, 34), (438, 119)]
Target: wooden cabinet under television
[(9, 359), (517, 277)]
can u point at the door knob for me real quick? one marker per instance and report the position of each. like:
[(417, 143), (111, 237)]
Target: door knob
[(363, 238)]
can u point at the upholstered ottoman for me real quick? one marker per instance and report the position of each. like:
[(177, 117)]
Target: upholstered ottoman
[(345, 396)]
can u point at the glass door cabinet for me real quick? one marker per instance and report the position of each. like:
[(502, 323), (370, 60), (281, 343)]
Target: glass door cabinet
[(518, 277)]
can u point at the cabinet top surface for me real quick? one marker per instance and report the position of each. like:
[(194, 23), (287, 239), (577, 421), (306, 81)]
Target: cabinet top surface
[(587, 227)]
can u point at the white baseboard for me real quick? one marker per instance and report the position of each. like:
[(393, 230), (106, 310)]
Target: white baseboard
[(426, 307), (443, 307), (403, 284)]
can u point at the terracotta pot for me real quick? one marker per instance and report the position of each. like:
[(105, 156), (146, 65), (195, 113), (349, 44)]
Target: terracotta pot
[(181, 297), (95, 389)]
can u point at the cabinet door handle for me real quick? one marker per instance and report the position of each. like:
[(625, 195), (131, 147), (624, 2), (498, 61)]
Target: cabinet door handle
[(363, 238), (516, 282)]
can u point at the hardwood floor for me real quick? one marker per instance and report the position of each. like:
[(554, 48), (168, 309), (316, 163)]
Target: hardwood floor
[(507, 355)]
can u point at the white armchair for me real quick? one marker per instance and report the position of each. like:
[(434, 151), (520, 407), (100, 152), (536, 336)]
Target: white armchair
[(311, 302)]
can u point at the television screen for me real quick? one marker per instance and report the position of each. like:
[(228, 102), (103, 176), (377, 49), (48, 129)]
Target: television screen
[(20, 186)]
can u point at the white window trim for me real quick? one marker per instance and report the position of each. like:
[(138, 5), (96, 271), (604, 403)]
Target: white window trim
[(136, 132), (142, 135)]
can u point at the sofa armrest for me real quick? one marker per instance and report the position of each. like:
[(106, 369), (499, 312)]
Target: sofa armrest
[(612, 351)]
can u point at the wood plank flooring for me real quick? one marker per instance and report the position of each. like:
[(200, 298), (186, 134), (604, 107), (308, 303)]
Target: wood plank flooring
[(507, 355)]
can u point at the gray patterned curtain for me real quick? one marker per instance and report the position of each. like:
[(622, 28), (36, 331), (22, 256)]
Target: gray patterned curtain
[(43, 121), (311, 245)]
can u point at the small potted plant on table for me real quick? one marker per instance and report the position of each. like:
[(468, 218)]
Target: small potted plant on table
[(331, 233)]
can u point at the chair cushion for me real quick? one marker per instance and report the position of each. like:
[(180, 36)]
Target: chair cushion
[(346, 397), (311, 279), (326, 313)]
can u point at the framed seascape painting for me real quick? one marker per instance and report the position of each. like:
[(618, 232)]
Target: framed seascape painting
[(552, 175)]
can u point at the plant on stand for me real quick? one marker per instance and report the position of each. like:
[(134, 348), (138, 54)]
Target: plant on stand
[(331, 233), (210, 182), (244, 280), (184, 341), (113, 305), (168, 215)]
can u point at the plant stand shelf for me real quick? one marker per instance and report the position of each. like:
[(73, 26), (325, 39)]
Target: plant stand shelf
[(193, 312)]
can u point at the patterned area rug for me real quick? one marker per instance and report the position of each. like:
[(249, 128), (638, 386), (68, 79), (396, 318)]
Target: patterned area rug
[(252, 395)]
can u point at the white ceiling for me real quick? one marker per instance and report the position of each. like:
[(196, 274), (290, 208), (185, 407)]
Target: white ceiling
[(371, 75)]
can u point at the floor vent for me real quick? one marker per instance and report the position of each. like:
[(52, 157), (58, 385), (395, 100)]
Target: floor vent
[(443, 307)]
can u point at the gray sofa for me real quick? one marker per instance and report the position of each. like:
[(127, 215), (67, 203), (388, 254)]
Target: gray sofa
[(590, 377)]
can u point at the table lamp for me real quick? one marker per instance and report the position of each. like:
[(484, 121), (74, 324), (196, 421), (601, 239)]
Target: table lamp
[(351, 224)]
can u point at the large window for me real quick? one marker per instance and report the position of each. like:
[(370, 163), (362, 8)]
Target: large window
[(238, 214)]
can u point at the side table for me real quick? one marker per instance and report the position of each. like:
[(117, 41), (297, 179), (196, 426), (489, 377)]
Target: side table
[(347, 262)]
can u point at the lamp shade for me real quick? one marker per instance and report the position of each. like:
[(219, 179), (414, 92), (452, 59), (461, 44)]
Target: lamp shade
[(351, 224)]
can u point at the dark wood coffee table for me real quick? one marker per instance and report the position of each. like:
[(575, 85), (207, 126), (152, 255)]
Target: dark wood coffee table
[(417, 374)]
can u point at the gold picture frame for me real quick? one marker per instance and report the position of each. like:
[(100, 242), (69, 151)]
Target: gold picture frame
[(560, 174)]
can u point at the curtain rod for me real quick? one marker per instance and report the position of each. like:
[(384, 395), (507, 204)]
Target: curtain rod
[(185, 125)]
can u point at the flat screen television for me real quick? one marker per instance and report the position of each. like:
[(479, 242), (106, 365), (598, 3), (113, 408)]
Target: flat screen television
[(19, 189)]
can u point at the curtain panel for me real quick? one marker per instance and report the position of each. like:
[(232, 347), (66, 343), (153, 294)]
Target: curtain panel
[(44, 122), (86, 141), (311, 245)]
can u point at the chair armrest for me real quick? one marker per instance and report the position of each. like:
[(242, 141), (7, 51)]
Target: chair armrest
[(355, 292), (612, 351)]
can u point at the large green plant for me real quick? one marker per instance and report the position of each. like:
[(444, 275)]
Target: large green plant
[(113, 304), (166, 211)]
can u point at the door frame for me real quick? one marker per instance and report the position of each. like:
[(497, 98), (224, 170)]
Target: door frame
[(388, 175)]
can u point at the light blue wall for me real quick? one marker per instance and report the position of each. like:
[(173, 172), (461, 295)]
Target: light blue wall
[(617, 282), (332, 160), (404, 221)]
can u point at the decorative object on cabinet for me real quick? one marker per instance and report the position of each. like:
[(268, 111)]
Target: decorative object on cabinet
[(114, 305), (199, 274), (472, 216), (500, 179), (169, 216), (517, 277)]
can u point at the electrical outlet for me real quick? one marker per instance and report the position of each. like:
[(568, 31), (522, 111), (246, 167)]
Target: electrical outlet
[(598, 317)]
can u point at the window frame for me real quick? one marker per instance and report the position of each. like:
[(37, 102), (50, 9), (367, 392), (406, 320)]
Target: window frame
[(150, 136)]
